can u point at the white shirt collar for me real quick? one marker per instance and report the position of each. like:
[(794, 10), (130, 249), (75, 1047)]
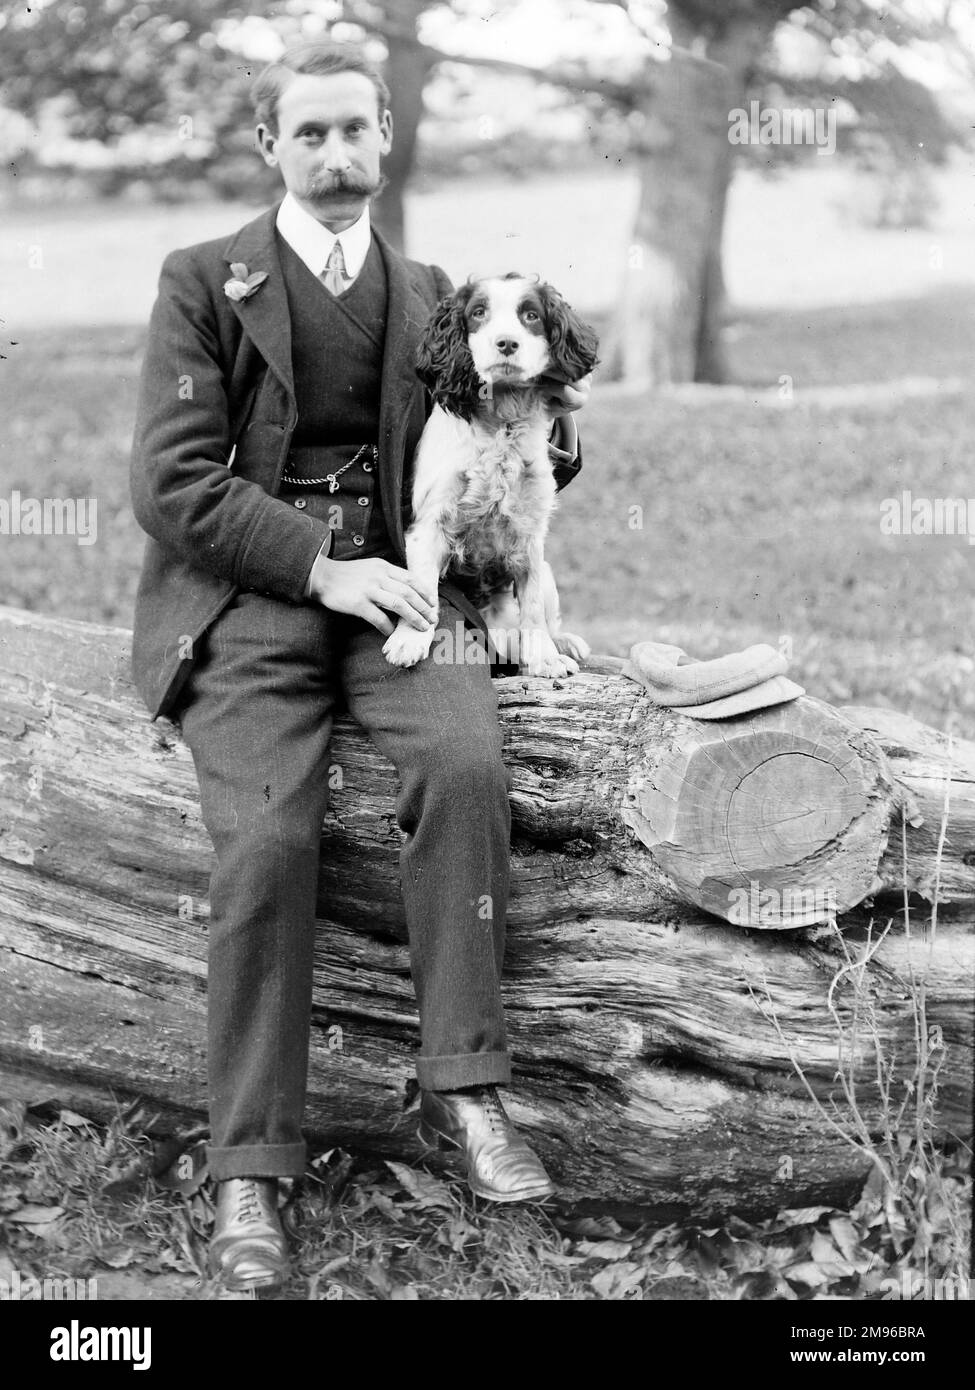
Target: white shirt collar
[(312, 242)]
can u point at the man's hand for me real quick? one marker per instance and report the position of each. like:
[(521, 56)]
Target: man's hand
[(565, 396), (365, 588)]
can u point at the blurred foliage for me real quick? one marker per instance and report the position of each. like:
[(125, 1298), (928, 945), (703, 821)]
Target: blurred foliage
[(122, 92), (153, 99), (891, 128)]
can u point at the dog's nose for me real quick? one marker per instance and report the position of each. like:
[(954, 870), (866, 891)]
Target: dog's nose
[(506, 346)]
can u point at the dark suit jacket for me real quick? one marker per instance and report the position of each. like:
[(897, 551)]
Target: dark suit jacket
[(217, 386)]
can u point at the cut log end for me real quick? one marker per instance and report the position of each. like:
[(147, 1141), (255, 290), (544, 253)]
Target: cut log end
[(776, 819)]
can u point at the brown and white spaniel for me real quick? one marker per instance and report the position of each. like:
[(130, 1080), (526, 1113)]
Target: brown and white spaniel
[(483, 488)]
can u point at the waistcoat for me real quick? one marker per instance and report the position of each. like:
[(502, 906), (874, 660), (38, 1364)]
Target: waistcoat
[(337, 360)]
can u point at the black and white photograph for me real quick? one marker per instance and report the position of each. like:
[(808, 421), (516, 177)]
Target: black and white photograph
[(487, 665)]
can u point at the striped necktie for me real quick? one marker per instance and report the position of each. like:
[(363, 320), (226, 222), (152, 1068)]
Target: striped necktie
[(334, 277)]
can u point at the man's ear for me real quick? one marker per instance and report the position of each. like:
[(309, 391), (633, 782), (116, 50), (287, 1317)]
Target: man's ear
[(266, 141), (386, 130)]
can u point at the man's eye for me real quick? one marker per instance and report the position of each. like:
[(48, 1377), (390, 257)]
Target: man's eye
[(310, 135)]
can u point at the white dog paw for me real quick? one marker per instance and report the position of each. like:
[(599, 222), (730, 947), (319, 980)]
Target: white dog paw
[(554, 668), (405, 646), (571, 645), (542, 658)]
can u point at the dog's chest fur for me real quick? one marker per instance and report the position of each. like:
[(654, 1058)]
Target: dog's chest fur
[(508, 490)]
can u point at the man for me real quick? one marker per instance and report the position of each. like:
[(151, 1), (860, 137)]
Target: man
[(278, 415)]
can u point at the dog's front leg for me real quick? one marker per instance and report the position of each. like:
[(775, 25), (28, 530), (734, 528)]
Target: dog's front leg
[(426, 555), (539, 654), (568, 643)]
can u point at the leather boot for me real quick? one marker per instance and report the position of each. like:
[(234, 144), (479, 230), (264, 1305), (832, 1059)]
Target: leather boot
[(248, 1249), (500, 1165)]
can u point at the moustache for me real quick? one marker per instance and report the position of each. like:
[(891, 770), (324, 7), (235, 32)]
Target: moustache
[(325, 185)]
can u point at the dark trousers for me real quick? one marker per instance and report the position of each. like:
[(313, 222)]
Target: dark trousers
[(257, 716)]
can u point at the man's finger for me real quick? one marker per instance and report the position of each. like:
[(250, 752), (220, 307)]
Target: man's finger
[(423, 587), (377, 617), (408, 592), (400, 603)]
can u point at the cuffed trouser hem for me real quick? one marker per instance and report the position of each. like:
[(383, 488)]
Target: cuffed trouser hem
[(257, 1161), (463, 1069)]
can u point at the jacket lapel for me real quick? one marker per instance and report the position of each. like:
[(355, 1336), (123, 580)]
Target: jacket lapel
[(264, 315), (406, 315)]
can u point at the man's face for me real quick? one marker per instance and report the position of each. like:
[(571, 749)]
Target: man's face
[(329, 143)]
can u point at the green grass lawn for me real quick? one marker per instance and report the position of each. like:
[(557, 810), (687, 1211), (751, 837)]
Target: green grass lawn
[(758, 523)]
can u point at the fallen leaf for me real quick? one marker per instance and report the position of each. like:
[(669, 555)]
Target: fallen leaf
[(604, 1249), (381, 1201), (616, 1280), (667, 1236), (799, 1216), (559, 1260), (425, 1190), (809, 1273), (75, 1121), (36, 1216), (118, 1257), (846, 1236), (762, 1285)]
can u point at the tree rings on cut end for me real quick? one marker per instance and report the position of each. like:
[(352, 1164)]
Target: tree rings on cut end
[(775, 819)]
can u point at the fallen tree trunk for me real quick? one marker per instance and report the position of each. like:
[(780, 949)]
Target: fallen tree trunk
[(654, 1045)]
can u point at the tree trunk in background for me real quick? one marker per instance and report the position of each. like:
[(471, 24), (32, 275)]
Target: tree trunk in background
[(406, 74), (668, 323)]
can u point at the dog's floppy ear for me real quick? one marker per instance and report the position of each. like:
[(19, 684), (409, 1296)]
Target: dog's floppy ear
[(573, 345), (444, 363)]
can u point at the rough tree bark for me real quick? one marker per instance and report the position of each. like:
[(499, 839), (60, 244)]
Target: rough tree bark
[(648, 1070), (670, 314)]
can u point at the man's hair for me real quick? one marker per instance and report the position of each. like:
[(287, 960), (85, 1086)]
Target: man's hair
[(319, 59)]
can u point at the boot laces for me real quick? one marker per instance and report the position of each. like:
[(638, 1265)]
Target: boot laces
[(250, 1200), (493, 1110)]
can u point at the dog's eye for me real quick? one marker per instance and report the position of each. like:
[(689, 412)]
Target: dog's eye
[(530, 316), (478, 311)]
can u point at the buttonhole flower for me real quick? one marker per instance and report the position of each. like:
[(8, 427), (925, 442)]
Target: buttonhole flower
[(242, 286)]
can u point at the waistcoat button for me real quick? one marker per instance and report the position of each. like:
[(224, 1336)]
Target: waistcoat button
[(300, 503), (363, 501), (357, 540)]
